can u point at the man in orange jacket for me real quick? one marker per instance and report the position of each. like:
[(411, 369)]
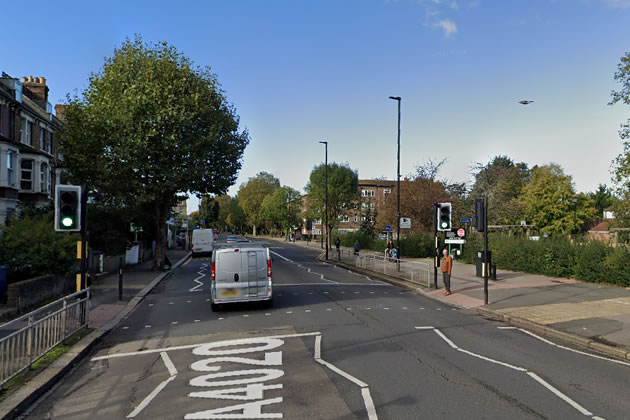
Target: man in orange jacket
[(447, 268)]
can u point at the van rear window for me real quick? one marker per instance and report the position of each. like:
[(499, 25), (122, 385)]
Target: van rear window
[(229, 261)]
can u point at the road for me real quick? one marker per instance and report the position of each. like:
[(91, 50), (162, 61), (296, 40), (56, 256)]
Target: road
[(335, 345)]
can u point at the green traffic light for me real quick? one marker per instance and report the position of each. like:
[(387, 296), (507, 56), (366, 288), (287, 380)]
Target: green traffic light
[(67, 221)]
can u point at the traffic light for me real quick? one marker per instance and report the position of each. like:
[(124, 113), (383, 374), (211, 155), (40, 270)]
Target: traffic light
[(479, 221), (67, 208), (444, 217)]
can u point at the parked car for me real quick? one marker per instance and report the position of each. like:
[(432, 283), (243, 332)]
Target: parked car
[(232, 239), (240, 275)]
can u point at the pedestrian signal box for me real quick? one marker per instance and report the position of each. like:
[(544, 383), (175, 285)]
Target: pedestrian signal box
[(67, 208)]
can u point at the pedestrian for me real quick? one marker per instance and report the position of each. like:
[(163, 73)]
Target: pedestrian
[(357, 247), (447, 268), (389, 249), (337, 245)]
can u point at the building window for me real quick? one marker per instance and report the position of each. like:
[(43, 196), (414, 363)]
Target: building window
[(368, 205), (49, 142), (355, 219), (388, 191), (43, 178), (317, 222), (42, 139), (344, 219), (26, 176), (26, 134), (367, 193), (10, 168)]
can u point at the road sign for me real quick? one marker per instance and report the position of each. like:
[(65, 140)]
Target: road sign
[(461, 233), (467, 220), (523, 223), (203, 222), (455, 241), (388, 228), (405, 222)]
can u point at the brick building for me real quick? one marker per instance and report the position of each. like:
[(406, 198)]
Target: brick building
[(29, 161), (374, 193)]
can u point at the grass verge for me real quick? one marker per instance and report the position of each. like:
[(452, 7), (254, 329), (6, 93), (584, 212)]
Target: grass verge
[(45, 361)]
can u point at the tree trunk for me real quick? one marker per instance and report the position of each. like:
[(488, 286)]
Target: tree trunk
[(160, 237), (254, 229)]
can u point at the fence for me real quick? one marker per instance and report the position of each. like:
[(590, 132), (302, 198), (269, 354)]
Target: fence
[(412, 271), (26, 339)]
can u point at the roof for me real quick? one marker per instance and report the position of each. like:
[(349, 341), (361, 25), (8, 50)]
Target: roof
[(376, 183), (603, 226)]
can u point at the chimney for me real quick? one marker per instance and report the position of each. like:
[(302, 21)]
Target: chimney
[(35, 88), (60, 110)]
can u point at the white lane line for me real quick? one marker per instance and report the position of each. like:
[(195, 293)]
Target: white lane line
[(340, 372), (281, 256), (192, 346), (551, 343), (149, 398), (318, 347), (533, 375), (506, 328), (168, 363), (369, 404), (559, 394)]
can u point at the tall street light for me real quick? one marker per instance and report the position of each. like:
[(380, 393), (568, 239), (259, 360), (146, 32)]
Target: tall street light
[(397, 98), (325, 143)]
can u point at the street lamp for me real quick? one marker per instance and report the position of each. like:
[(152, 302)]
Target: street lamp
[(397, 98), (325, 143), (575, 201)]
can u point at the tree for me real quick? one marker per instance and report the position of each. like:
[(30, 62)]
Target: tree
[(151, 125), (224, 202), (236, 217), (283, 208), (621, 164), (502, 180), (209, 211), (343, 192), (418, 192), (552, 204), (602, 198), (253, 192)]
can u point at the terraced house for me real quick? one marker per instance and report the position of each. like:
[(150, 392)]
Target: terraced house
[(30, 165)]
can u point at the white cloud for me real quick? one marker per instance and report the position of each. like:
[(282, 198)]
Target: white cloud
[(448, 26)]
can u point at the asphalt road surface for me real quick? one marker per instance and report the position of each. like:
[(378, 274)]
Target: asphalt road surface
[(335, 345)]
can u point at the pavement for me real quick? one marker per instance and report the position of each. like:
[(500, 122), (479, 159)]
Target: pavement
[(591, 315), (106, 312)]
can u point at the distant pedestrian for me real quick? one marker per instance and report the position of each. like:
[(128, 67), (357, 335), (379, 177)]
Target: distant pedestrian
[(447, 268), (357, 247), (337, 245), (390, 249)]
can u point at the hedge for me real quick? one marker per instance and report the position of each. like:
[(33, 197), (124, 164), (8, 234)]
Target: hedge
[(589, 261)]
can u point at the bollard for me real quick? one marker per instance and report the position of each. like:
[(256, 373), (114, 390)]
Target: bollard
[(120, 278)]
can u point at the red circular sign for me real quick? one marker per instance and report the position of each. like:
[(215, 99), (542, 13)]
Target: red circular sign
[(461, 233)]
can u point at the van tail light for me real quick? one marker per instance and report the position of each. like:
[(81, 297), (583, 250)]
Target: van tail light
[(269, 268), (213, 271)]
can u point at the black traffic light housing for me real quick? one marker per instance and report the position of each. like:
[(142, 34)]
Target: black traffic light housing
[(479, 221), (443, 221), (68, 208)]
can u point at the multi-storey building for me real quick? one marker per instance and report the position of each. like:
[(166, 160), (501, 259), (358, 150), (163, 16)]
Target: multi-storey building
[(373, 192), (29, 161)]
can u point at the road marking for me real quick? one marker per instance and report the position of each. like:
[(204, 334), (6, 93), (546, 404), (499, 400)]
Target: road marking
[(221, 319), (147, 326), (281, 256), (328, 309), (506, 328), (197, 320), (125, 328), (267, 314), (551, 343), (188, 260), (204, 267), (307, 311), (151, 304), (404, 308), (531, 374), (174, 323), (192, 346), (144, 403)]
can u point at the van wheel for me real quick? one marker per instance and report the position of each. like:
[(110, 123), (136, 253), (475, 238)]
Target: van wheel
[(215, 307)]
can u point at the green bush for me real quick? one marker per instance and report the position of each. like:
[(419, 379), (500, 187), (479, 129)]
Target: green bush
[(418, 245), (31, 247), (555, 257)]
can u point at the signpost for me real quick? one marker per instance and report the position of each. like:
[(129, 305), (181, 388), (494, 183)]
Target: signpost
[(461, 233), (455, 241), (467, 220), (388, 228), (405, 222)]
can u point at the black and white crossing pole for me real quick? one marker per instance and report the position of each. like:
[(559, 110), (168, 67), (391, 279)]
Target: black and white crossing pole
[(397, 98), (325, 143)]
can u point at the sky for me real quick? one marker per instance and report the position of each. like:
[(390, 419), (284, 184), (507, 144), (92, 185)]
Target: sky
[(301, 72)]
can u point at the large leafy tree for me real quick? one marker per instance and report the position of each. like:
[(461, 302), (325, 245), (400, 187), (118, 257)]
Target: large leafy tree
[(151, 125), (343, 192), (602, 198), (283, 208), (551, 202), (621, 171), (502, 180), (252, 193)]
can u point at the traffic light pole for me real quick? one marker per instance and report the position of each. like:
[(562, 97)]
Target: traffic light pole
[(83, 236), (486, 265), (436, 258)]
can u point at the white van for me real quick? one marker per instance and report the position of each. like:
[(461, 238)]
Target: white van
[(240, 274), (202, 240)]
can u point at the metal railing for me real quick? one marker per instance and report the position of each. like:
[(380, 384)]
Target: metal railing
[(26, 339), (412, 271)]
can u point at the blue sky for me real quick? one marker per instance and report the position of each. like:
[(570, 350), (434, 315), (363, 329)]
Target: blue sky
[(300, 72)]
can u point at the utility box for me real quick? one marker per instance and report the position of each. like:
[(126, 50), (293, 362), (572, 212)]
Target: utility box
[(480, 261)]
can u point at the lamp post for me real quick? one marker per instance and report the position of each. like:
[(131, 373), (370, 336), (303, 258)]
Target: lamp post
[(575, 201), (325, 143), (397, 98)]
